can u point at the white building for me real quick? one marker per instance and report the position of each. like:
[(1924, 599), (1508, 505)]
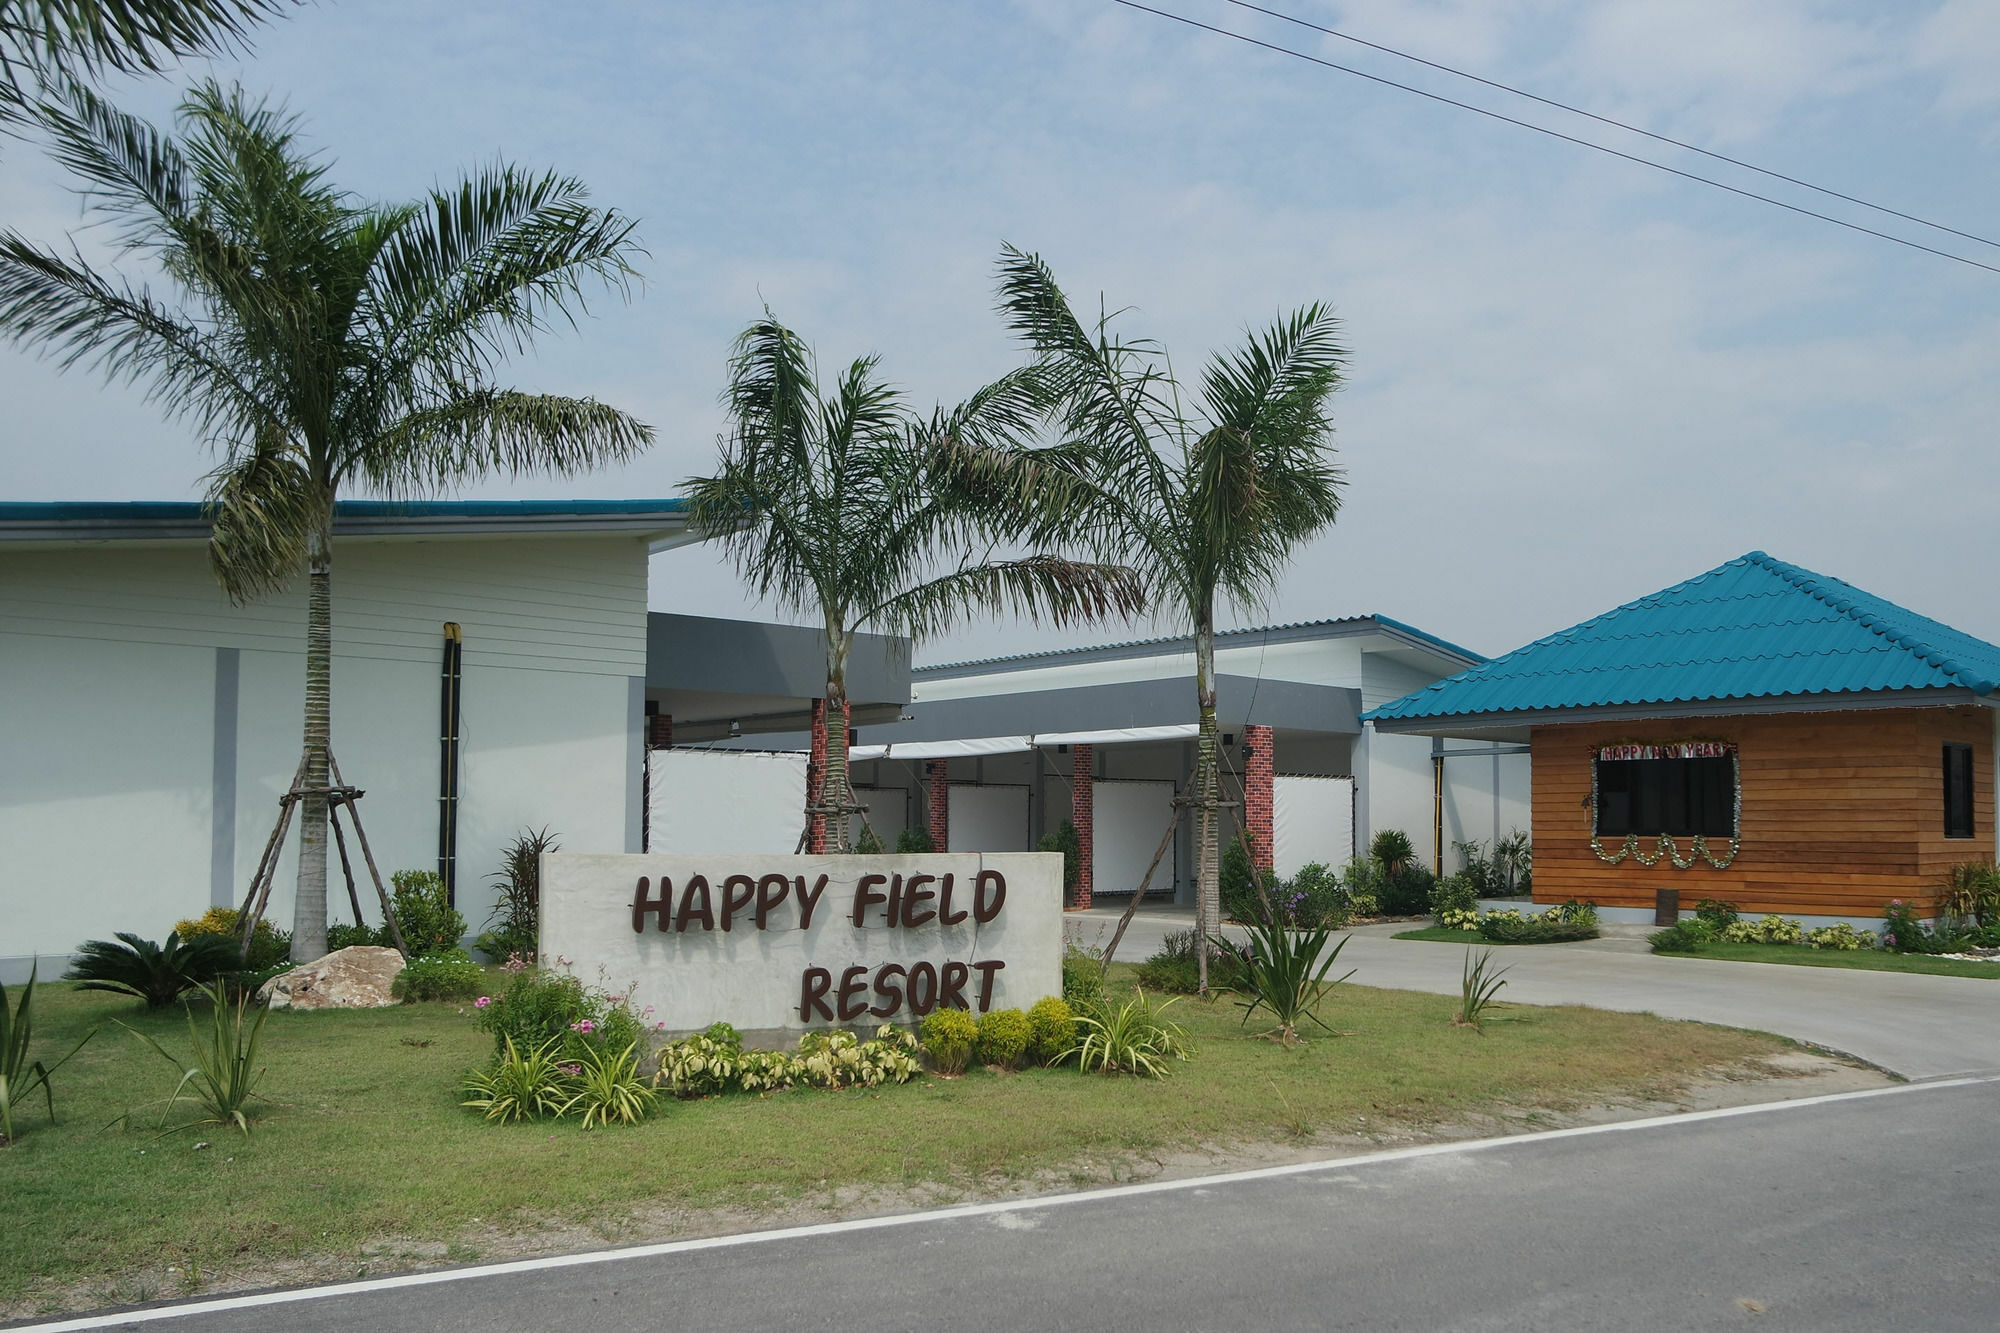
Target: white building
[(150, 727)]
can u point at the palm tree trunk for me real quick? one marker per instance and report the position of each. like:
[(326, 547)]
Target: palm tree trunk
[(1207, 790), (835, 791), (309, 899)]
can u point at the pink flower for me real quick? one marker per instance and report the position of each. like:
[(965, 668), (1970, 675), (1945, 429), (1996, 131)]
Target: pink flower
[(1895, 902), (660, 1027), (482, 1002), (586, 1027)]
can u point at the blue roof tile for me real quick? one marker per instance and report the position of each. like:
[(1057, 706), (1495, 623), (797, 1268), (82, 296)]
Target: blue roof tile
[(1755, 628)]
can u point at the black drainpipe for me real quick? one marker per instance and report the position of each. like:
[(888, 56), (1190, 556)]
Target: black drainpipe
[(454, 650)]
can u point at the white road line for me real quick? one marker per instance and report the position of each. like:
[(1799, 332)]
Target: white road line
[(474, 1272)]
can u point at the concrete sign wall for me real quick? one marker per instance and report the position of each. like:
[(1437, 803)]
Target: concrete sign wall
[(808, 941)]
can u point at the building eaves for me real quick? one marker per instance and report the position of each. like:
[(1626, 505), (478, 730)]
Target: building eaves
[(186, 520)]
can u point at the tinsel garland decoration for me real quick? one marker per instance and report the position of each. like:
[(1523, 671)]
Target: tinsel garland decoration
[(1698, 850)]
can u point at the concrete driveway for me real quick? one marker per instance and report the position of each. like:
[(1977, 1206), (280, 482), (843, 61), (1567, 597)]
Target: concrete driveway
[(1914, 1026)]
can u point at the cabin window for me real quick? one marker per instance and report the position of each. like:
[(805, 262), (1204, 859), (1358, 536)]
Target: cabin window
[(1682, 797), (1958, 791)]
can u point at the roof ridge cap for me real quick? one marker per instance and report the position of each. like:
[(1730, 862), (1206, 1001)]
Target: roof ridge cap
[(1813, 586)]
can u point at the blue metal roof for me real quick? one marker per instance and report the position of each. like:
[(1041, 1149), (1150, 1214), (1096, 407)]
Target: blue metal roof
[(1755, 628)]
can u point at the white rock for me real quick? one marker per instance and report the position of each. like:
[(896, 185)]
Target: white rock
[(359, 977)]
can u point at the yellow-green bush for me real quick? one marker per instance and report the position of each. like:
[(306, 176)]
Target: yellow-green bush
[(1003, 1038), (949, 1035), (1054, 1025), (269, 946)]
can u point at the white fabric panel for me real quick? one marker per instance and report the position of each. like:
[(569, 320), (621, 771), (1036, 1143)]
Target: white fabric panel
[(965, 749), (1179, 731), (1312, 819), (726, 801), (989, 819), (1127, 821), (888, 813)]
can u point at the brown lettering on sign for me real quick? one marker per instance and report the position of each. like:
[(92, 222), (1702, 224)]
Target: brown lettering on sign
[(813, 986), (894, 910), (951, 985), (808, 902), (772, 890), (661, 907), (923, 989), (912, 897), (889, 985), (865, 895), (986, 971), (853, 997), (985, 908), (737, 891), (697, 884), (945, 915)]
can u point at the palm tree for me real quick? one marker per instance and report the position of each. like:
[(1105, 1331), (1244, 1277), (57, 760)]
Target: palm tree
[(321, 343), (48, 44), (1202, 500), (833, 506)]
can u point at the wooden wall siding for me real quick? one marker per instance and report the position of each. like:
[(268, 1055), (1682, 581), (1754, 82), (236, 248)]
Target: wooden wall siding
[(1841, 811)]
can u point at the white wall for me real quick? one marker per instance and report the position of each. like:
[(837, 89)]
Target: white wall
[(108, 744), (1398, 791)]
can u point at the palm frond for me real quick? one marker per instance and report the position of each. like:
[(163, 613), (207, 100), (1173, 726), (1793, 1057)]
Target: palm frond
[(483, 431), (261, 509), (1039, 588)]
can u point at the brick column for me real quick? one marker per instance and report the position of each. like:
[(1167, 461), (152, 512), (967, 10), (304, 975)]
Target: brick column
[(937, 778), (816, 778), (660, 731), (1259, 766), (1082, 804)]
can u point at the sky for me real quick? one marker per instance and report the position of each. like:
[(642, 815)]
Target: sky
[(1573, 380)]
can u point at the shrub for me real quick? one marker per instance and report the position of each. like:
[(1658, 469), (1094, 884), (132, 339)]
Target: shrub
[(1969, 897), (1689, 936), (1003, 1038), (157, 975), (1286, 974), (346, 935), (1904, 932), (608, 1088), (1053, 1029), (451, 975), (429, 922), (1406, 891), (1840, 936), (1716, 914), (1513, 863), (1240, 899), (868, 844), (1571, 921), (514, 925), (1176, 970), (1476, 868), (1457, 894), (18, 1076), (1133, 1038), (269, 946), (702, 1065), (1455, 918), (1772, 929), (1082, 972), (539, 1006), (225, 1072), (1314, 898), (914, 841), (837, 1059), (519, 1086), (948, 1037), (1065, 840)]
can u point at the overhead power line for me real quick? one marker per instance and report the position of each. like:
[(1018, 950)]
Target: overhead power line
[(1607, 120), (1557, 134)]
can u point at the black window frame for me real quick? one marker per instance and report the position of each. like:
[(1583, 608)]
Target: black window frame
[(1693, 797), (1960, 820)]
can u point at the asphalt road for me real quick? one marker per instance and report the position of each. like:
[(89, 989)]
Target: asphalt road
[(1871, 1212), (1915, 1026)]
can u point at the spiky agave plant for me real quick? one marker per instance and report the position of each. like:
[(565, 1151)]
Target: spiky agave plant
[(1477, 988), (1286, 974), (157, 974), (20, 1077), (224, 1074)]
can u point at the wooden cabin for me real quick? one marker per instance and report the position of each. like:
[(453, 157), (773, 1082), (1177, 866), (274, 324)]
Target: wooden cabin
[(1760, 734)]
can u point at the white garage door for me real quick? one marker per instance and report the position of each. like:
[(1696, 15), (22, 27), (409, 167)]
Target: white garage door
[(1312, 819), (725, 801), (1127, 821), (888, 814), (988, 819)]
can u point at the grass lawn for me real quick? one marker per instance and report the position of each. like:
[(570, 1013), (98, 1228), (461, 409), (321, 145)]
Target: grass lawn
[(1441, 935), (1866, 960), (363, 1142)]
